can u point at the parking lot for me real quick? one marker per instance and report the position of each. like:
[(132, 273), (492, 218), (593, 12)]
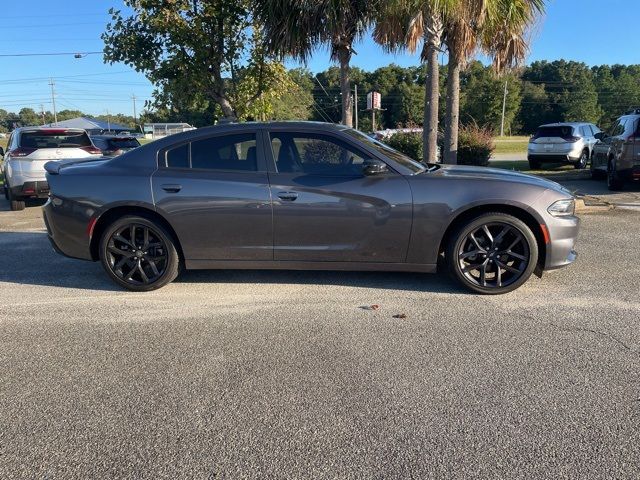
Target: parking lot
[(258, 374)]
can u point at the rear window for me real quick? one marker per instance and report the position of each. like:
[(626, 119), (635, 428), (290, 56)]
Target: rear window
[(559, 132), (54, 139), (117, 143)]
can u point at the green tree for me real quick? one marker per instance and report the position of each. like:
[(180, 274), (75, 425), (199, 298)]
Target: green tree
[(198, 53), (28, 116), (296, 27)]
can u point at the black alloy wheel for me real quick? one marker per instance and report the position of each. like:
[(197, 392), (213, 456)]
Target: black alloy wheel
[(138, 254), (495, 253)]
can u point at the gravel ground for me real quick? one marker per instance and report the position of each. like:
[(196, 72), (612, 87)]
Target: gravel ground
[(284, 374)]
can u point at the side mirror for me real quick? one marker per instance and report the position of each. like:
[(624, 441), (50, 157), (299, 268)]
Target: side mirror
[(600, 135), (1, 152), (374, 167)]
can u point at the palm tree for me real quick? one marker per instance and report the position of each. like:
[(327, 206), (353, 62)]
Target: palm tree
[(498, 28), (404, 24), (296, 27)]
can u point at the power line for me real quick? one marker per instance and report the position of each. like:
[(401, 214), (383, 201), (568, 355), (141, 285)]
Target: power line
[(48, 54)]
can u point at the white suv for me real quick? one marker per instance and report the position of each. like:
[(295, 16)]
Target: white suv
[(29, 148), (563, 142)]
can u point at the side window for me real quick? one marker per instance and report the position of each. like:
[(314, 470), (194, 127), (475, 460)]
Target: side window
[(178, 157), (315, 154), (618, 127), (230, 152), (584, 131)]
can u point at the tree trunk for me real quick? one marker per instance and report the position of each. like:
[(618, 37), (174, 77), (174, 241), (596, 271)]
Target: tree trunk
[(431, 103), (227, 109), (452, 119), (344, 57)]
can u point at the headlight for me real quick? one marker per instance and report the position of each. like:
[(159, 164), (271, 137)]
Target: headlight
[(563, 208)]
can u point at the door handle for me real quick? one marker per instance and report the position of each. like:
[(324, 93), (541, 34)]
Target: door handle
[(172, 188), (288, 196)]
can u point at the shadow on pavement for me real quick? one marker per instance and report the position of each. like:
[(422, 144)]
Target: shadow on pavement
[(27, 258)]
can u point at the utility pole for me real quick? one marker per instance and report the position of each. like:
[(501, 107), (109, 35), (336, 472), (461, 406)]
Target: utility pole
[(355, 103), (108, 121), (133, 97), (44, 120), (53, 101), (504, 107)]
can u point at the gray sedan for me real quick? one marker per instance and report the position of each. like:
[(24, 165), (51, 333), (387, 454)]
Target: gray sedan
[(303, 196)]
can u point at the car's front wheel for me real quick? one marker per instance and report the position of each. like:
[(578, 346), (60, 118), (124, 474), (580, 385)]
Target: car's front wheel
[(614, 182), (492, 254), (139, 254)]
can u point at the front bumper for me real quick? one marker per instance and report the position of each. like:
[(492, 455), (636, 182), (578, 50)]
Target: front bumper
[(563, 235)]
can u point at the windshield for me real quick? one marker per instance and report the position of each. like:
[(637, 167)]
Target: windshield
[(54, 139), (387, 151)]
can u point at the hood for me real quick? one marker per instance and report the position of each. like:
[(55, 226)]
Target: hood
[(485, 173)]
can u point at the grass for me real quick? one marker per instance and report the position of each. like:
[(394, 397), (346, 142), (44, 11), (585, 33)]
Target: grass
[(510, 145)]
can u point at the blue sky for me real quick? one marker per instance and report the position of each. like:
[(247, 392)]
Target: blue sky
[(592, 31)]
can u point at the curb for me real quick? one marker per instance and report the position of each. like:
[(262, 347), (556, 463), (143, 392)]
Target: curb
[(582, 207)]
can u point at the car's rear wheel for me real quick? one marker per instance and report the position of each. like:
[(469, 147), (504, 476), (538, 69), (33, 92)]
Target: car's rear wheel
[(492, 254), (16, 203), (534, 165), (582, 161), (138, 254)]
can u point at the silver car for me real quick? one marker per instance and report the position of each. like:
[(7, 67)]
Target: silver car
[(563, 142)]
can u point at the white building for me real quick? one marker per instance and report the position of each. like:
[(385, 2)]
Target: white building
[(159, 130)]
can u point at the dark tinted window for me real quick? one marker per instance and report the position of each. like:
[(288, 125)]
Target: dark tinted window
[(100, 143), (54, 139), (315, 154), (618, 127), (178, 157), (231, 152), (116, 143)]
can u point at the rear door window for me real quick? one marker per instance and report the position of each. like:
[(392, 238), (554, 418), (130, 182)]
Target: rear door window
[(178, 157), (228, 152), (54, 139)]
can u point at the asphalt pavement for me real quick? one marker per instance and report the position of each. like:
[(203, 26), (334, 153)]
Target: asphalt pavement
[(291, 374)]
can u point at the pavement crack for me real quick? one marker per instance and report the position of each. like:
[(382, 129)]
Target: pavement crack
[(596, 332)]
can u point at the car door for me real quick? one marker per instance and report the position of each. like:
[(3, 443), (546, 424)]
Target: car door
[(215, 193), (326, 210)]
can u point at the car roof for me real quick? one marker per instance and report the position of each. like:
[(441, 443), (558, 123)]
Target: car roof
[(48, 129), (566, 124)]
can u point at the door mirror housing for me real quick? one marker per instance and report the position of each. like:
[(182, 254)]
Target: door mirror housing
[(600, 135), (374, 167), (1, 152)]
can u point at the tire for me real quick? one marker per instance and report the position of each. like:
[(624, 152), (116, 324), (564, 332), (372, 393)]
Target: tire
[(504, 270), (534, 164), (583, 161), (147, 262), (16, 203), (614, 182)]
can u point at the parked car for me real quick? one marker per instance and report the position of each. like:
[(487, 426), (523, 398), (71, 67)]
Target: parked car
[(28, 149), (617, 154), (562, 142), (113, 145), (303, 195)]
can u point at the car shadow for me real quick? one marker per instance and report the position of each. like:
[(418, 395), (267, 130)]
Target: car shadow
[(598, 188), (27, 258)]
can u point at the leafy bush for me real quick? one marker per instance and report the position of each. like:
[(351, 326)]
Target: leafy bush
[(475, 145), (409, 143)]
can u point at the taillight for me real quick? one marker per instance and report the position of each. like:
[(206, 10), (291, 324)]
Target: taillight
[(22, 151), (91, 149), (571, 139)]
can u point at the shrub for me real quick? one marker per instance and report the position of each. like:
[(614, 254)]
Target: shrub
[(409, 143), (475, 145)]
